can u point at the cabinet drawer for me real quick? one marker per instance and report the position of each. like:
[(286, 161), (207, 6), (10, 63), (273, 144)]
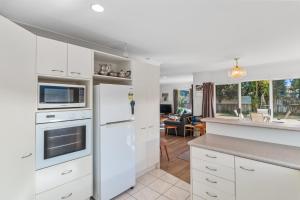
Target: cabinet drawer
[(213, 169), (213, 156), (57, 175), (214, 182), (80, 189), (209, 193)]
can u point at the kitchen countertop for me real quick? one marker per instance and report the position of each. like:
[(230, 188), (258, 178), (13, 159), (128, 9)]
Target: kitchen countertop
[(272, 125), (281, 155)]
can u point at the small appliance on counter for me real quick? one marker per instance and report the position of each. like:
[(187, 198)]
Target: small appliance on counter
[(62, 136), (52, 95), (114, 141)]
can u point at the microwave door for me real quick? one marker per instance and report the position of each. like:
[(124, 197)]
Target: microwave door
[(59, 96)]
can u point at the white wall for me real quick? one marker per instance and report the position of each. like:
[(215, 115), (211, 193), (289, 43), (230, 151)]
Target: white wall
[(168, 88), (270, 71)]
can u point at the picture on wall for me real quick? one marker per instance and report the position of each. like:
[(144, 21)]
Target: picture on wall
[(199, 88), (165, 97)]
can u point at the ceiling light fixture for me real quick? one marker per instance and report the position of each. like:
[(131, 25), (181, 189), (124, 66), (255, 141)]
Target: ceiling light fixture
[(237, 71), (97, 8)]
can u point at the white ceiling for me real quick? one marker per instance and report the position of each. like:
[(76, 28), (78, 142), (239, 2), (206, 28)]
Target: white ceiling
[(184, 36)]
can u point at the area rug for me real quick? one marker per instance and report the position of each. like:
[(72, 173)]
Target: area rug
[(184, 155)]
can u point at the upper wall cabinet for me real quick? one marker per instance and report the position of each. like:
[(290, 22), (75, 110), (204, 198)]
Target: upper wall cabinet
[(51, 57), (55, 58), (79, 61)]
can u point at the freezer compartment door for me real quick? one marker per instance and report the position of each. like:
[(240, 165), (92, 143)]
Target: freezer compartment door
[(115, 103), (117, 159)]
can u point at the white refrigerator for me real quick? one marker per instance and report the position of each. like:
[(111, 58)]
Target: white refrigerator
[(114, 140)]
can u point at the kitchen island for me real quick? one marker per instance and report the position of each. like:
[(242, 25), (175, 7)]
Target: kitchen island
[(273, 132), (230, 168)]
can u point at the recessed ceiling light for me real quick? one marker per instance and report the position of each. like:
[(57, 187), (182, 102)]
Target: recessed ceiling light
[(97, 8)]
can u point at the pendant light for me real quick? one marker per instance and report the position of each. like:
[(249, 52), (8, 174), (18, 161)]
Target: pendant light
[(237, 71)]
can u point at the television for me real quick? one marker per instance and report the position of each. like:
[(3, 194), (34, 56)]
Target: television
[(165, 108)]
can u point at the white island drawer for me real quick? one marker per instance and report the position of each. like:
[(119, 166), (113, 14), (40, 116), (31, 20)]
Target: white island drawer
[(213, 156), (213, 169), (57, 175), (214, 182), (210, 193), (80, 189)]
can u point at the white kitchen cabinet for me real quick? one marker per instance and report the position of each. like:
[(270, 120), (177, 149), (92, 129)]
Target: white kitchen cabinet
[(79, 61), (51, 57), (146, 94), (18, 101), (141, 150), (261, 181), (57, 175), (79, 189)]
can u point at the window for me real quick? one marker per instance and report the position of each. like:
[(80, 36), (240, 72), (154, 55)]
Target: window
[(255, 95), (227, 99), (286, 99), (184, 100)]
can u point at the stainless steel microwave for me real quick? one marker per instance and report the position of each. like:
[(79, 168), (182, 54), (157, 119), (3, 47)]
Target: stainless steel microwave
[(61, 96)]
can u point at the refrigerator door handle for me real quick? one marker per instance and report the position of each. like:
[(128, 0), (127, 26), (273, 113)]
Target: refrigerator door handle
[(118, 122)]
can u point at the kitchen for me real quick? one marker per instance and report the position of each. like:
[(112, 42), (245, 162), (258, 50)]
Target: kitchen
[(80, 95)]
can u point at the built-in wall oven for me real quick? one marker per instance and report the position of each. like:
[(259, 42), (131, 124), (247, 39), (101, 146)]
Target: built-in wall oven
[(53, 95), (62, 136)]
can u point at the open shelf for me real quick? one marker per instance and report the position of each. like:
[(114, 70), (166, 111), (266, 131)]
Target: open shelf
[(112, 78)]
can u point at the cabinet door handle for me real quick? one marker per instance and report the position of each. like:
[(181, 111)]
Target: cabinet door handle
[(210, 181), (67, 196), (56, 70), (26, 156), (143, 128), (150, 126), (66, 172), (211, 169), (78, 73), (211, 195), (247, 169), (209, 156)]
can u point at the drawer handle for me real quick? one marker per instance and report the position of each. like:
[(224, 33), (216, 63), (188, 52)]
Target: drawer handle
[(211, 195), (66, 172), (56, 70), (26, 156), (209, 156), (78, 73), (210, 181), (211, 169), (67, 196), (247, 169)]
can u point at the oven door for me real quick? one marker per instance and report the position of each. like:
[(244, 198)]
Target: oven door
[(61, 95), (62, 141)]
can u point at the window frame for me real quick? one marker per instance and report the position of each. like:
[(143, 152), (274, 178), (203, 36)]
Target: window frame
[(215, 99), (240, 95)]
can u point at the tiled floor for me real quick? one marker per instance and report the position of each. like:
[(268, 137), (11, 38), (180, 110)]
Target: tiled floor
[(159, 185)]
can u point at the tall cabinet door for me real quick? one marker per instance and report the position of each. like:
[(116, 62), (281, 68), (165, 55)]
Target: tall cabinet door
[(153, 113), (146, 93), (261, 181), (18, 100)]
